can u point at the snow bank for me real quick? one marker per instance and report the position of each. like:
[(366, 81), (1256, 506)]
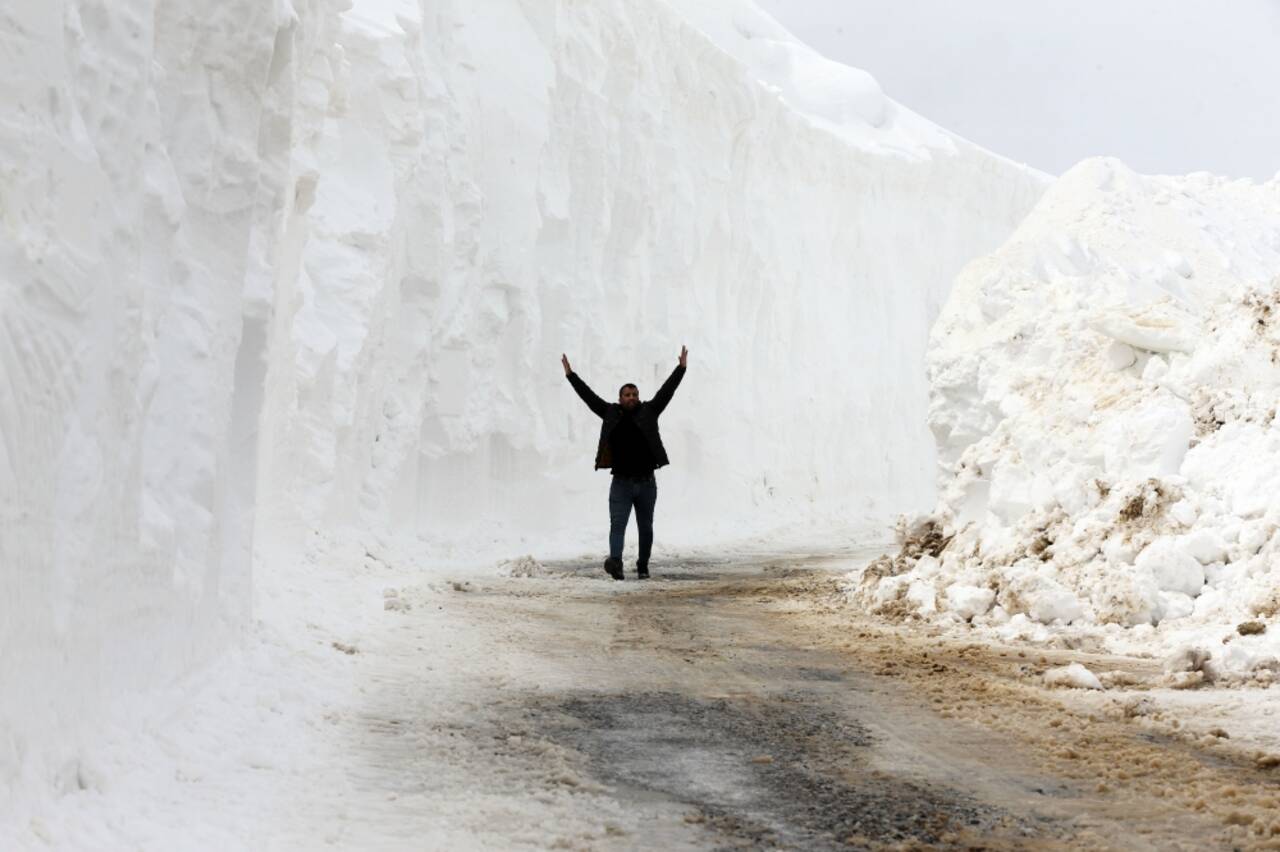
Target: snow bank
[(143, 148), (494, 185), (1104, 392)]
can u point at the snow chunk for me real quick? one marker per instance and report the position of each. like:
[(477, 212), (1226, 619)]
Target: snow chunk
[(1120, 356), (1074, 676), (1044, 600), (1159, 328), (523, 566), (1174, 569), (1206, 546), (923, 595), (968, 601), (1149, 441)]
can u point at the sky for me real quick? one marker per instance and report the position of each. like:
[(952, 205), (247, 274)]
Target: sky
[(1168, 86)]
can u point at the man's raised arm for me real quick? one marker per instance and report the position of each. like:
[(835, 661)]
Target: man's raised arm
[(668, 389), (595, 403)]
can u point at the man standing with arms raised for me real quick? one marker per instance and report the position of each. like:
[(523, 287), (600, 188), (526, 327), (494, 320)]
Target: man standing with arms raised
[(632, 448)]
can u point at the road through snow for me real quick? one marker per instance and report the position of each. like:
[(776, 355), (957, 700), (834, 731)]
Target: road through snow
[(734, 704), (728, 703)]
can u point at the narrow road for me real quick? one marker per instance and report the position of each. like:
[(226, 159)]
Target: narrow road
[(739, 705)]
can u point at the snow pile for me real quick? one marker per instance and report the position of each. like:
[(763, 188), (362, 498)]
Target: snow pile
[(524, 566), (1104, 401)]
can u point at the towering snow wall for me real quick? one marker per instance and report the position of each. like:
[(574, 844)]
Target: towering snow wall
[(282, 266), (498, 183), (144, 148), (1105, 391)]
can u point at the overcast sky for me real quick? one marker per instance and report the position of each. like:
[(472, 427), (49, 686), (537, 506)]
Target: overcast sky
[(1168, 86)]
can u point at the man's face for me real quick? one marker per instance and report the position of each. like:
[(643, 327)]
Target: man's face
[(629, 398)]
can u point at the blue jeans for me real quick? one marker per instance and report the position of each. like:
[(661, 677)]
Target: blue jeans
[(623, 494)]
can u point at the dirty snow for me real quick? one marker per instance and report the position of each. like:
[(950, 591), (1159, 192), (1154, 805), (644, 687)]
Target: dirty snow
[(1104, 393)]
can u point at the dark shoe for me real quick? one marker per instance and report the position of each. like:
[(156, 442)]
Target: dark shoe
[(613, 567), (642, 571)]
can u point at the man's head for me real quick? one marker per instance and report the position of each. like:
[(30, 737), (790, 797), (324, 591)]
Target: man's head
[(628, 396)]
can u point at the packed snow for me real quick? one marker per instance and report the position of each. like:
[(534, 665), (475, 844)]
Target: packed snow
[(1104, 392)]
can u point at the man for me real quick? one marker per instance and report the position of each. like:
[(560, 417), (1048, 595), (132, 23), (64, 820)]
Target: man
[(631, 446)]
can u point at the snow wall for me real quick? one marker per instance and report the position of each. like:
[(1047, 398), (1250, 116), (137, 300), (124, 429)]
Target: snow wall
[(267, 269), (494, 185), (144, 151), (1104, 396)]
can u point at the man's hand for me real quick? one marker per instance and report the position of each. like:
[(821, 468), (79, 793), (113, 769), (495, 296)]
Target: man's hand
[(564, 359), (684, 357)]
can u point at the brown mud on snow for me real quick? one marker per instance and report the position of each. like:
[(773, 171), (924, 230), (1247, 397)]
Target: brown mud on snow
[(743, 704), (1138, 771)]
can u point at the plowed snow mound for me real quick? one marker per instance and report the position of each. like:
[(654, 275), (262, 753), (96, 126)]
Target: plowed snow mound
[(1104, 392)]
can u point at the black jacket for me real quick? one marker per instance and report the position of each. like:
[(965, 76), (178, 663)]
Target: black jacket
[(646, 417)]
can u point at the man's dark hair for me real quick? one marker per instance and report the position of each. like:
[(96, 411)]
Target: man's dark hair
[(628, 385)]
